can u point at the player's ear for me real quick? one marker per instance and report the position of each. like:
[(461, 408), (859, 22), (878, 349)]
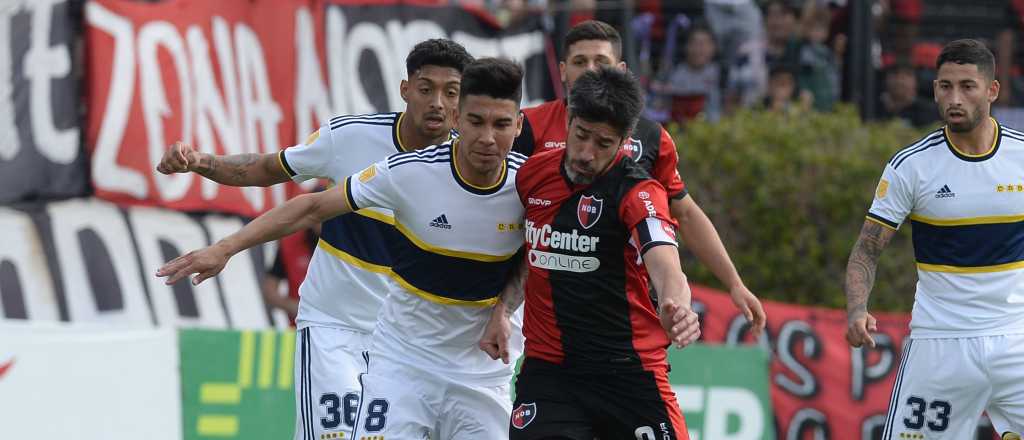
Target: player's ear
[(561, 72), (404, 90), (519, 123)]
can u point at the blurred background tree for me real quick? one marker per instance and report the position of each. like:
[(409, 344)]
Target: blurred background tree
[(788, 193)]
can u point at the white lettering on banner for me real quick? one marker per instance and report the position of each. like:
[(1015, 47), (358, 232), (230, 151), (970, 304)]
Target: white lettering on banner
[(568, 263), (240, 117), (386, 44), (70, 219), (722, 406), (310, 91), (10, 145), (153, 36), (806, 385), (547, 237), (106, 173), (259, 110), (42, 64), (155, 227), (33, 275)]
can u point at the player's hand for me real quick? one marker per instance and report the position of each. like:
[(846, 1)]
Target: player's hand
[(494, 342), (206, 262), (680, 322), (859, 326), (179, 158), (751, 307)]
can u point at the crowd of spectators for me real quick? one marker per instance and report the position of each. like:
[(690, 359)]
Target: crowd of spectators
[(710, 58)]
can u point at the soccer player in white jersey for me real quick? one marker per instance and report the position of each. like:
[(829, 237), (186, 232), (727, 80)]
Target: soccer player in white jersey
[(963, 189), (348, 275), (460, 231)]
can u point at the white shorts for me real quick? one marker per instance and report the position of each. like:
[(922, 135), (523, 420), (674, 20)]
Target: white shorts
[(328, 362), (406, 403), (943, 386)]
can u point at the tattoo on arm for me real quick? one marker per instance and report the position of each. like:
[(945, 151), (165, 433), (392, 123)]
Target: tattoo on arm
[(860, 270), (234, 170), (514, 293)]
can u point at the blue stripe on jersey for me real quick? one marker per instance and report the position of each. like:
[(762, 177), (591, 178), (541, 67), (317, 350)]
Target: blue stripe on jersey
[(360, 236), (379, 117), (968, 246), (436, 160), (937, 134), (919, 149), (446, 279), (1014, 136)]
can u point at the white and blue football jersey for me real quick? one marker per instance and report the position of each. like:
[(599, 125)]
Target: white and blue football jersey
[(346, 281), (967, 215), (456, 246)]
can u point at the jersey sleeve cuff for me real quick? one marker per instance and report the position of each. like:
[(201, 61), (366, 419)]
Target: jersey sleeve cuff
[(284, 164), (349, 200), (679, 195), (653, 244), (883, 221)]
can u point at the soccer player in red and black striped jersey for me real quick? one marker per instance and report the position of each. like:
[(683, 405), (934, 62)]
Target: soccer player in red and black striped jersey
[(596, 224), (594, 43)]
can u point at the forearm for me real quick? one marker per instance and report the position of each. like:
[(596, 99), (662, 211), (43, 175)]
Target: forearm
[(662, 263), (297, 214), (700, 237), (860, 269), (514, 293), (242, 169)]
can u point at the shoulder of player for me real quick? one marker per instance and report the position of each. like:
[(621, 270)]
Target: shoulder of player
[(541, 110), (541, 159), (915, 149), (434, 154), (361, 122), (1016, 137)]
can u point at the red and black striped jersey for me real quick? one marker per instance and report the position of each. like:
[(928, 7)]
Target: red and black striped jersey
[(545, 128), (586, 292)]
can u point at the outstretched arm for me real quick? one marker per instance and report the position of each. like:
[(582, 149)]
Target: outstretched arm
[(234, 170), (702, 239), (297, 214), (860, 278), (677, 317)]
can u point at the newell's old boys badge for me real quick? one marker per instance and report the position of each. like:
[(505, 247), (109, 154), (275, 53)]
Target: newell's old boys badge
[(588, 211), (523, 415), (634, 148)]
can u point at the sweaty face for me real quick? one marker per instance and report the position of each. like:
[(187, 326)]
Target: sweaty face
[(964, 96), (487, 126), (589, 149), (431, 96), (586, 55)]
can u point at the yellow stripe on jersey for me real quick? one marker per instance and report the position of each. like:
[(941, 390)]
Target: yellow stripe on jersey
[(880, 222), (398, 133), (487, 258), (280, 161), (384, 270), (966, 221), (376, 215), (971, 269)]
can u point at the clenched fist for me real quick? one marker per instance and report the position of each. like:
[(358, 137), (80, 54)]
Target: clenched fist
[(179, 158)]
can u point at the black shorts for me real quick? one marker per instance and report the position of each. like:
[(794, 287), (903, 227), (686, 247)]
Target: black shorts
[(555, 402)]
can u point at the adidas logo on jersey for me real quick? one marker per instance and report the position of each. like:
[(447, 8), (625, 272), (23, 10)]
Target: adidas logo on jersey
[(944, 192), (441, 222)]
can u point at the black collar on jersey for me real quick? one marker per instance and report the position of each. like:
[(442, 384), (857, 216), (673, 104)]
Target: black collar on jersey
[(469, 186), (996, 140), (396, 136)]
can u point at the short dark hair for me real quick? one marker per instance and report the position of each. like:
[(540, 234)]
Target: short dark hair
[(437, 52), (594, 30), (969, 51), (494, 77), (607, 95)]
